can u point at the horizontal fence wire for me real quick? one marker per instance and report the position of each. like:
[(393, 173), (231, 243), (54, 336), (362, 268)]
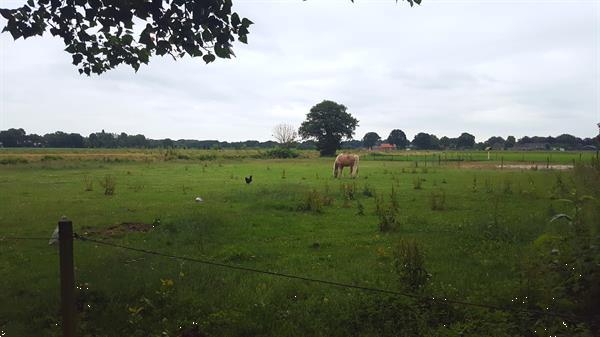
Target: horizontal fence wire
[(334, 283), (24, 238)]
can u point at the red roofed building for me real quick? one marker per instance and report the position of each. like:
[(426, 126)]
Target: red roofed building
[(384, 147)]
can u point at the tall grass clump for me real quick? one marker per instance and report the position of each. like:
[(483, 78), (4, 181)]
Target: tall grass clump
[(409, 262), (109, 184), (387, 215), (314, 201)]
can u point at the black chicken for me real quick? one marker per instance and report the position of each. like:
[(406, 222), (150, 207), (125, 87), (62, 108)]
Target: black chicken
[(248, 179)]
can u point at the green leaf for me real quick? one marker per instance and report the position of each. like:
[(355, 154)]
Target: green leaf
[(235, 19), (30, 3), (127, 39), (246, 22), (222, 51), (243, 38), (208, 58), (6, 13), (77, 58)]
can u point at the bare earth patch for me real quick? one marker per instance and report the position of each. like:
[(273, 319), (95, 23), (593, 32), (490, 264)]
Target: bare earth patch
[(484, 165)]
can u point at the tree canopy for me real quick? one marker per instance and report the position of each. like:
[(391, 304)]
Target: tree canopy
[(425, 141), (370, 139), (398, 138), (102, 34), (328, 123), (465, 141), (285, 134)]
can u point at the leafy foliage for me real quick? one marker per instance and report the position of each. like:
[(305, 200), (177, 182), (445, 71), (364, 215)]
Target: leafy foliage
[(398, 138), (101, 34), (328, 123), (465, 140), (370, 139), (425, 141), (281, 152), (409, 261)]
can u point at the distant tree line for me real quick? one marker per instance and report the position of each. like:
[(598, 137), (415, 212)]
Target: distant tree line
[(466, 141), (421, 141), (59, 139)]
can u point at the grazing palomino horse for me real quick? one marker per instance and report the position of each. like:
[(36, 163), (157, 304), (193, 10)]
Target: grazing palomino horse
[(344, 160)]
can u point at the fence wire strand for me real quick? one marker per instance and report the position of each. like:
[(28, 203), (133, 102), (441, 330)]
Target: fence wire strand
[(23, 238), (333, 283)]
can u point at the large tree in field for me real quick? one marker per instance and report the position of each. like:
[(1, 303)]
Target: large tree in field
[(465, 141), (328, 123), (398, 138), (370, 139), (425, 141), (102, 34)]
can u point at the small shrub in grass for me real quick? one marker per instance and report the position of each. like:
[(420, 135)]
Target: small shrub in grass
[(417, 183), (108, 183), (360, 208), (367, 192), (348, 191), (409, 261), (206, 157), (387, 215), (51, 158), (282, 153), (437, 200), (313, 202)]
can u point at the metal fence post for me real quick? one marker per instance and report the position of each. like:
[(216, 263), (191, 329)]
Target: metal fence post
[(67, 276)]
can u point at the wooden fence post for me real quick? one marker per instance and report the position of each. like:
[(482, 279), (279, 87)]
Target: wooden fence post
[(67, 276)]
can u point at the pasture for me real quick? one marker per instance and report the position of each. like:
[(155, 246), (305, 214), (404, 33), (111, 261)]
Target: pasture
[(479, 230)]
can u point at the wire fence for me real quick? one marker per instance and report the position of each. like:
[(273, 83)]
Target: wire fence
[(305, 278)]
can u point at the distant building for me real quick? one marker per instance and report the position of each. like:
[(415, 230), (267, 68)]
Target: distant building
[(384, 147)]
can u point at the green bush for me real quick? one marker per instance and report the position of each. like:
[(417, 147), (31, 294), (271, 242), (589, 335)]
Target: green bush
[(281, 152)]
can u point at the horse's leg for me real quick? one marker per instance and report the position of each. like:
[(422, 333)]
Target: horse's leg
[(352, 171)]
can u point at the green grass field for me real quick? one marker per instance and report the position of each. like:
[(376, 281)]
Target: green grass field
[(478, 227)]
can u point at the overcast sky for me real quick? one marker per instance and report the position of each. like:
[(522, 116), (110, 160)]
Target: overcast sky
[(484, 67)]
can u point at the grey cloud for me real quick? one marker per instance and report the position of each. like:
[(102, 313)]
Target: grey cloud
[(444, 68)]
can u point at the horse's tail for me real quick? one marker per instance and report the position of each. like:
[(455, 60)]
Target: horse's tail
[(356, 165), (335, 166)]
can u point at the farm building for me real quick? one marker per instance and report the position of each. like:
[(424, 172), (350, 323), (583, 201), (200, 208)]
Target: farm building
[(384, 147)]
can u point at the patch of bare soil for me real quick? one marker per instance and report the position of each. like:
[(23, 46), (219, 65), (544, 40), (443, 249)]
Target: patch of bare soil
[(536, 167), (116, 230), (485, 165)]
